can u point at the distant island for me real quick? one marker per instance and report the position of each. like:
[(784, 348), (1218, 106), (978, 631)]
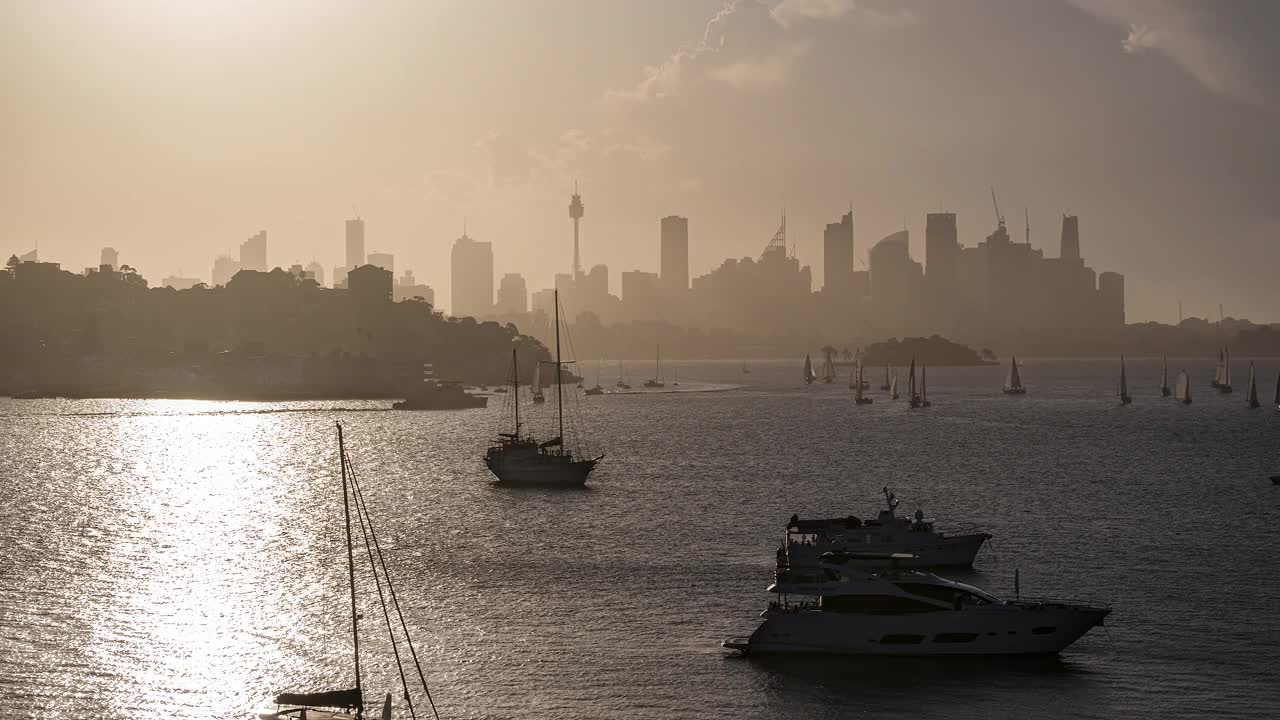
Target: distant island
[(934, 350)]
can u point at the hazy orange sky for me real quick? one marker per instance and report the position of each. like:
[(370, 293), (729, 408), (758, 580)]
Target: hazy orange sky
[(174, 129)]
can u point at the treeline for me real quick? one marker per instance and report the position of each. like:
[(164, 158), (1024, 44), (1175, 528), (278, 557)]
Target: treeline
[(263, 336)]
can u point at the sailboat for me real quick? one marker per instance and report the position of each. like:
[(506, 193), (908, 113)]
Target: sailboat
[(598, 389), (657, 380), (809, 375), (858, 399), (1217, 371), (1252, 399), (1164, 377), (745, 370), (1276, 400), (886, 384), (538, 397), (1225, 385), (1183, 392), (913, 394), (349, 704), (1013, 383), (621, 384), (924, 386), (520, 459), (828, 368), (1124, 385), (893, 386)]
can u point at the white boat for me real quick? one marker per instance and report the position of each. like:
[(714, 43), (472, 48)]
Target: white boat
[(1124, 385), (348, 704), (517, 458), (807, 540), (1013, 383), (1183, 392), (809, 375), (1252, 399), (1218, 370), (1165, 391), (1225, 385), (908, 612), (893, 386)]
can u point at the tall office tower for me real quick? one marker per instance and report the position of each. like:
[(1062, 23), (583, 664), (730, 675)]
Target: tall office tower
[(355, 243), (837, 254), (941, 250), (386, 261), (1070, 238), (513, 295), (675, 255), (110, 257), (575, 212), (253, 252), (224, 268), (317, 272), (471, 277)]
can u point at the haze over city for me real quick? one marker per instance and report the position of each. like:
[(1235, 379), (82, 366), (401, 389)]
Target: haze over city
[(173, 131)]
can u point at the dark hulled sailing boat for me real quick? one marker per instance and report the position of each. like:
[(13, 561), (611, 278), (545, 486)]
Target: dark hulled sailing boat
[(913, 395), (1124, 385), (886, 384), (1276, 400), (519, 459), (1218, 371), (924, 386), (1252, 399), (809, 375), (1013, 383), (1164, 377), (349, 704)]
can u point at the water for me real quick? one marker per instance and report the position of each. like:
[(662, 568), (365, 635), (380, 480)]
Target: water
[(185, 559)]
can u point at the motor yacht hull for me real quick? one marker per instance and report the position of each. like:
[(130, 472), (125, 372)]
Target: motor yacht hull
[(1011, 629)]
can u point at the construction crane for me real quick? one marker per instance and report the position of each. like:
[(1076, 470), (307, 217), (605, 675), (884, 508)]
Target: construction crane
[(996, 205), (1028, 213)]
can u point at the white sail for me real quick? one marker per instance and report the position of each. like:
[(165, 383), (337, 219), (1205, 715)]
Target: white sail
[(808, 370), (893, 386), (857, 384), (1013, 381), (1183, 393), (924, 383)]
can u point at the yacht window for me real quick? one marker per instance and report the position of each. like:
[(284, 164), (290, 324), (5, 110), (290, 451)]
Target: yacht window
[(951, 596), (955, 637), (1044, 630), (875, 604), (901, 639)]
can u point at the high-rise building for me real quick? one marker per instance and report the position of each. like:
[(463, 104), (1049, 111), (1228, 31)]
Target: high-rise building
[(386, 261), (837, 254), (253, 252), (340, 277), (575, 213), (109, 257), (355, 243), (895, 277), (543, 301), (675, 255), (317, 272), (513, 295), (471, 277), (224, 268), (941, 252), (408, 288), (639, 290), (1070, 249)]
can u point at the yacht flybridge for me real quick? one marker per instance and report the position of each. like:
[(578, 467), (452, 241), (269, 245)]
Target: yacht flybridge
[(893, 611), (807, 540)]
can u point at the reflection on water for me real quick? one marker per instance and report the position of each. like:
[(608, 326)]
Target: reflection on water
[(185, 559)]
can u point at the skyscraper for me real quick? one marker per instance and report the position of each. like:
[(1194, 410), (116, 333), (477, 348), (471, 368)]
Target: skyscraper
[(941, 252), (1070, 249), (386, 261), (224, 268), (837, 254), (471, 277), (355, 243), (513, 295), (253, 252), (575, 212), (675, 255), (110, 257), (317, 272)]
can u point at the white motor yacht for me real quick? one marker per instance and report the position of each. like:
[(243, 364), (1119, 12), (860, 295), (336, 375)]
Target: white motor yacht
[(808, 540), (908, 612)]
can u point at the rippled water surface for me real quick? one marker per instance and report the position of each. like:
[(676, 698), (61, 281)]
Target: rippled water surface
[(185, 559)]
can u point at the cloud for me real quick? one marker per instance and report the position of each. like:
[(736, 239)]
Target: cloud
[(509, 161), (1227, 53), (763, 73), (451, 189), (1141, 38), (789, 12)]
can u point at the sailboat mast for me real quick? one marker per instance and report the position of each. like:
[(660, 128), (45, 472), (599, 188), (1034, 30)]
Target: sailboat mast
[(559, 375), (351, 560), (515, 388)]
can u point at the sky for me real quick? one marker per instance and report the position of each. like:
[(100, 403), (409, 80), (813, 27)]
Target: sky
[(172, 130)]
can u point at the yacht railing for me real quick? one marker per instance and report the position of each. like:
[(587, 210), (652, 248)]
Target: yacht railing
[(1036, 601)]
